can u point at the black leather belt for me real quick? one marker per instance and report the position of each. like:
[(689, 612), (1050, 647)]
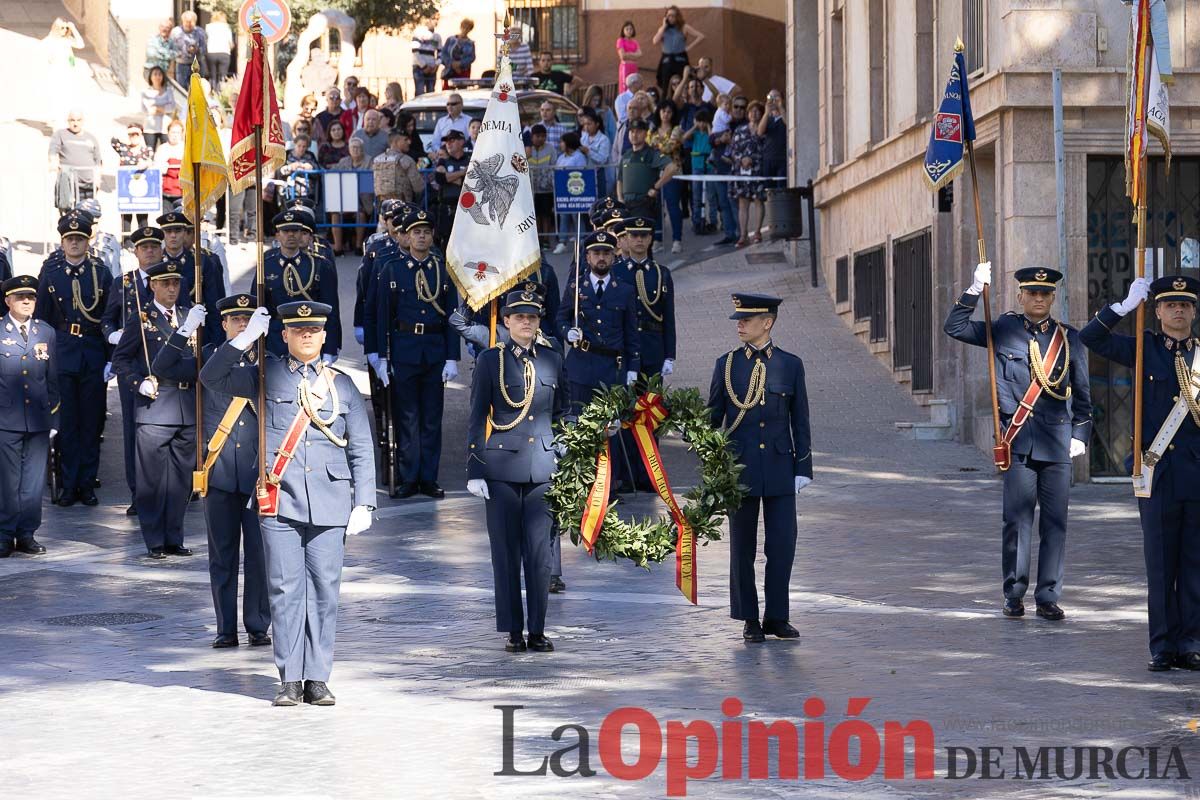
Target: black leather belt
[(597, 349), (174, 385), (651, 325), (420, 328), (80, 329)]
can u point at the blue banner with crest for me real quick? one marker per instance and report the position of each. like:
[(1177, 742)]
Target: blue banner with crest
[(953, 127)]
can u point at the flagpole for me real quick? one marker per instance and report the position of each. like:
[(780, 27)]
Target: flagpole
[(987, 303), (198, 298), (259, 279), (1140, 324)]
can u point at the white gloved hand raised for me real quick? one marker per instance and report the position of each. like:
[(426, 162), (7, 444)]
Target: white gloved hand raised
[(1078, 448), (478, 487), (801, 482), (114, 337), (148, 388), (259, 324), (668, 367), (1139, 290), (983, 277), (450, 371), (574, 335), (360, 520), (630, 377), (195, 319), (358, 334)]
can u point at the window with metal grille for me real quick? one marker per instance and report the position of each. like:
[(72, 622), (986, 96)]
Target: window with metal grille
[(912, 301), (974, 12), (842, 280), (554, 25), (870, 291)]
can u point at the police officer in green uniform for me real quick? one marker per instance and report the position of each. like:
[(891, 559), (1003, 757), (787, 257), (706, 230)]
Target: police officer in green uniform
[(643, 173)]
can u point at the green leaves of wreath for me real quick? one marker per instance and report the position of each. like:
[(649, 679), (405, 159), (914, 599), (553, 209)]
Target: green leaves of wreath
[(645, 541)]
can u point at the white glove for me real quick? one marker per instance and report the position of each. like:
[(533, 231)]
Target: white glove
[(668, 367), (53, 432), (983, 276), (630, 377), (450, 371), (358, 334), (1139, 290), (114, 337), (328, 358), (478, 487), (380, 367), (195, 318), (360, 520), (613, 428), (259, 324), (1078, 448), (108, 373), (574, 335), (148, 389), (801, 482)]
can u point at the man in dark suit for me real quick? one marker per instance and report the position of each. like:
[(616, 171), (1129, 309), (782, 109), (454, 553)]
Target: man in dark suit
[(517, 387), (1169, 494), (759, 395), (28, 415), (1046, 439)]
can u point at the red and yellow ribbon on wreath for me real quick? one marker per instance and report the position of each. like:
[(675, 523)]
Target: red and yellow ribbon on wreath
[(648, 413)]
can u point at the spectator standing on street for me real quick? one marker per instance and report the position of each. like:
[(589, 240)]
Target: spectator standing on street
[(450, 171), (169, 158), (393, 98), (372, 134), (549, 79), (220, 47), (158, 106), (541, 157), (396, 175), (667, 139), (133, 152), (455, 120), (458, 54), (713, 84), (675, 36), (628, 52), (333, 111), (299, 160), (699, 139), (61, 43), (717, 193), (426, 44), (772, 127), (549, 121), (335, 148), (597, 148), (408, 123), (633, 85), (520, 57), (356, 161), (349, 90), (745, 155), (189, 42), (593, 100), (644, 172), (159, 50), (473, 128), (568, 157), (308, 107), (75, 155)]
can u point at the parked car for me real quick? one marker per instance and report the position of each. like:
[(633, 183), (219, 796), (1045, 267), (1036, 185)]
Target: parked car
[(430, 107)]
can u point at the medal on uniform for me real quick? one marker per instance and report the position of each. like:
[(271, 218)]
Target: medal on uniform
[(41, 351)]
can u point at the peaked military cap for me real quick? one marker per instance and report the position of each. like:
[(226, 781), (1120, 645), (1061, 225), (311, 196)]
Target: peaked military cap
[(386, 207), (303, 314), (292, 220), (20, 284), (89, 206), (163, 270), (1175, 287), (746, 305), (523, 302), (75, 223), (532, 286), (304, 201), (417, 217), (1038, 279), (146, 234), (600, 240), (638, 225), (399, 212), (237, 304), (173, 219)]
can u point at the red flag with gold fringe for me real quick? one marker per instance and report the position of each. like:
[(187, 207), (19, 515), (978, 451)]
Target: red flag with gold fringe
[(256, 106)]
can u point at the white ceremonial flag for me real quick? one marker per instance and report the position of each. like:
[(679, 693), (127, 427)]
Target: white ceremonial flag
[(494, 241)]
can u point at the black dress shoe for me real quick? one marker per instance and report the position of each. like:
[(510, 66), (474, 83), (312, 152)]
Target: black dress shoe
[(780, 629), (1050, 611), (225, 640), (289, 693), (88, 497), (404, 490), (1161, 662), (1190, 660), (316, 693), (753, 632), (431, 489), (1013, 607), (67, 498), (177, 550), (30, 547), (131, 511), (538, 643), (515, 643), (557, 584), (259, 639), (156, 553)]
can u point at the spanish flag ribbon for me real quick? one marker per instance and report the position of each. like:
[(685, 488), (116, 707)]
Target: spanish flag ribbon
[(597, 500)]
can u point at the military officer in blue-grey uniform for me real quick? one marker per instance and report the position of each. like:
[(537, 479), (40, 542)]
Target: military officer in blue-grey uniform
[(28, 415), (759, 395), (1056, 430), (320, 491), (1170, 516), (71, 294), (409, 340), (231, 470), (291, 274), (164, 408), (518, 388), (178, 237)]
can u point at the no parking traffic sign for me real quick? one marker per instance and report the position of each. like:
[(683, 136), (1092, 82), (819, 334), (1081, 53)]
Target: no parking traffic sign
[(275, 18)]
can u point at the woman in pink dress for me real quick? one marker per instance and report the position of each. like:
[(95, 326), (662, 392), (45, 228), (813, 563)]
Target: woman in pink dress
[(628, 52)]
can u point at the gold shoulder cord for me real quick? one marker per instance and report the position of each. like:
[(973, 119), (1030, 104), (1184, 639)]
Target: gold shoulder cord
[(306, 403), (77, 296), (755, 391), (427, 294), (525, 404), (291, 278), (1187, 389), (640, 280), (1039, 372)]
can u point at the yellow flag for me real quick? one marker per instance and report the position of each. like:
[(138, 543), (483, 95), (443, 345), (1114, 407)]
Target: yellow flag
[(201, 147)]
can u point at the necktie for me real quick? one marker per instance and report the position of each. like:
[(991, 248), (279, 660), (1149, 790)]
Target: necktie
[(599, 290), (171, 317), (24, 333)]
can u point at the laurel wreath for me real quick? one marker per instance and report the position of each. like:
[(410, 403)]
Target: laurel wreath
[(644, 541)]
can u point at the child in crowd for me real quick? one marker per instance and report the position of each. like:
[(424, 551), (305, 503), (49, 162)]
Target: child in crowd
[(541, 176), (700, 140), (722, 117)]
